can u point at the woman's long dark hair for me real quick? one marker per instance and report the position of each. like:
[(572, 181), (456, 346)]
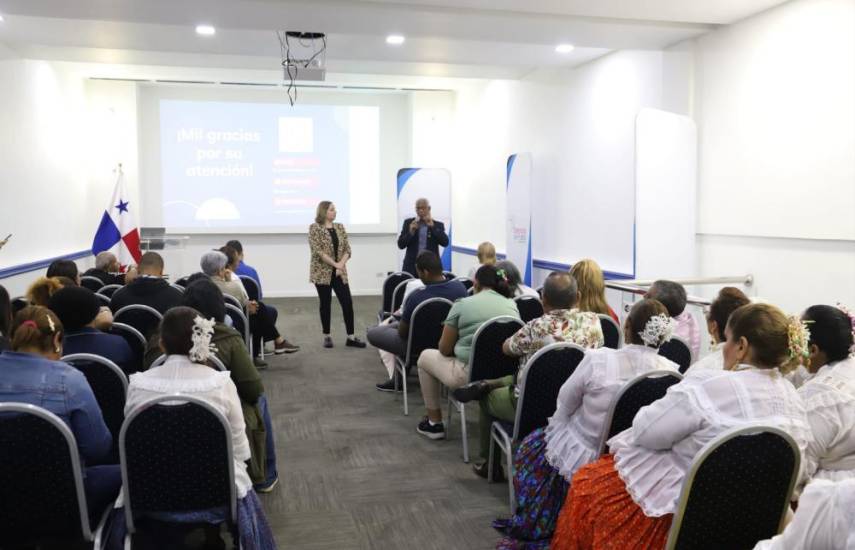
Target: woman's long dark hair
[(488, 276)]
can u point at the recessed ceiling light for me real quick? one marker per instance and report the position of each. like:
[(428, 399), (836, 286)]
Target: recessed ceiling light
[(205, 30), (395, 39), (564, 48)]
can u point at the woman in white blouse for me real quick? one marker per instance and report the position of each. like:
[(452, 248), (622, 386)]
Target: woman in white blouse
[(829, 396), (185, 372), (825, 519), (729, 299), (548, 458), (627, 499)]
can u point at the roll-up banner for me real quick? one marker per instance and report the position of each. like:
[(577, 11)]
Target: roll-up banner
[(433, 184), (518, 237)]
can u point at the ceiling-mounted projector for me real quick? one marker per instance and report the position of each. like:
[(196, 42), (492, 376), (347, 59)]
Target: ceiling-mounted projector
[(303, 55)]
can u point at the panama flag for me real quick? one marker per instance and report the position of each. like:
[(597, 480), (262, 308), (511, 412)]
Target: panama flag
[(118, 232)]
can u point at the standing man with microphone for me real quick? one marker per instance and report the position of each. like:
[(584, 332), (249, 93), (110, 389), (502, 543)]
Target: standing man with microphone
[(420, 233)]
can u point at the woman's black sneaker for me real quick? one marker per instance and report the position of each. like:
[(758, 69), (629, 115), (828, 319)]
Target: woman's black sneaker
[(431, 431), (355, 343)]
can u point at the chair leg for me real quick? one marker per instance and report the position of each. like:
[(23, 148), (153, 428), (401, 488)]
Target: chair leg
[(451, 407), (490, 456), (464, 433), (404, 389), (510, 472)]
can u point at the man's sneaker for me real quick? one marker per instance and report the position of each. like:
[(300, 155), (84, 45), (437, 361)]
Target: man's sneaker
[(259, 363), (472, 391), (389, 385), (435, 431), (268, 487), (285, 347)]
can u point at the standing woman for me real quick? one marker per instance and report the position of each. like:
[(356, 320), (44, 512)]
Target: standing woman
[(328, 270)]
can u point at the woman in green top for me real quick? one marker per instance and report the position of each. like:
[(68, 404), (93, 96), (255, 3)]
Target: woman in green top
[(449, 365), (206, 297)]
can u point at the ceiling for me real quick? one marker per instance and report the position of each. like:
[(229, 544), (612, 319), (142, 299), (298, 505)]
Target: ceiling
[(480, 38)]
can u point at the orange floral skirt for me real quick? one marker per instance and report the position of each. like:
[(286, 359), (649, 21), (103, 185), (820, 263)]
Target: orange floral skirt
[(599, 513)]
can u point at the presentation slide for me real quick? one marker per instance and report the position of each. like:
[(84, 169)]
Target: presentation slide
[(226, 164)]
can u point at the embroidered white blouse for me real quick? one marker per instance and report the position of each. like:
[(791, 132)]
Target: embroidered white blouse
[(714, 360), (829, 399), (825, 519), (573, 433), (655, 454), (179, 375)]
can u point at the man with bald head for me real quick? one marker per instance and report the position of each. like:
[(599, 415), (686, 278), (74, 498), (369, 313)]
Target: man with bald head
[(419, 233)]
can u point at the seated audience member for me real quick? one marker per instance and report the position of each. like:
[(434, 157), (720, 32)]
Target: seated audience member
[(592, 288), (206, 298), (33, 374), (5, 318), (449, 365), (214, 264), (186, 340), (548, 458), (107, 269), (824, 520), (515, 280), (78, 309), (392, 337), (242, 268), (40, 290), (729, 299), (264, 318), (148, 288), (387, 358), (561, 322), (673, 295), (64, 268), (829, 396), (627, 499), (486, 255)]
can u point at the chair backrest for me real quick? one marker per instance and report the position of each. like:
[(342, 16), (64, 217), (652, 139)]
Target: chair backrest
[(176, 455), (539, 382), (183, 281), (177, 287), (135, 339), (639, 392), (486, 360), (251, 287), (104, 300), (738, 490), (41, 477), (448, 275), (92, 283), (19, 303), (108, 383), (529, 308), (232, 300), (213, 362), (389, 285), (611, 331), (142, 317), (426, 327), (240, 322), (466, 282), (398, 295), (109, 290), (676, 349)]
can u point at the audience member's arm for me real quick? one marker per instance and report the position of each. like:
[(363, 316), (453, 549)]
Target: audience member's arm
[(663, 423), (244, 375), (813, 526), (87, 423), (447, 340), (104, 319), (240, 444), (519, 343)]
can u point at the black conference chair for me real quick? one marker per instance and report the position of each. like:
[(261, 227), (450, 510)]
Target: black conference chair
[(539, 382), (611, 331), (177, 287), (425, 330), (529, 308), (486, 361), (676, 349), (240, 322), (448, 275), (398, 295), (144, 318), (110, 386), (466, 282), (389, 285), (737, 492), (183, 281), (232, 300), (136, 341), (639, 392), (42, 500), (176, 455), (213, 362), (109, 290), (92, 283), (104, 300), (18, 304), (251, 287)]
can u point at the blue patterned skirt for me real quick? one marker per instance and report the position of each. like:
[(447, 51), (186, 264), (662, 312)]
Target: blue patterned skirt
[(540, 491)]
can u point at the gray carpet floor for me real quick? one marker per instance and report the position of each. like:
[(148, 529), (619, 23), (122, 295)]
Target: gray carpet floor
[(353, 471)]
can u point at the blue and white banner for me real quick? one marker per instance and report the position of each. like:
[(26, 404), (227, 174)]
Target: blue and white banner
[(518, 241), (433, 184)]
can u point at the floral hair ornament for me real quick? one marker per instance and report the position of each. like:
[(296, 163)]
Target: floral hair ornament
[(657, 330), (798, 336), (502, 274), (50, 322), (202, 348), (851, 316)]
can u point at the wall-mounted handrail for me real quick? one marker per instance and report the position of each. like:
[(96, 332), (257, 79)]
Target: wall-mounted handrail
[(746, 280)]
